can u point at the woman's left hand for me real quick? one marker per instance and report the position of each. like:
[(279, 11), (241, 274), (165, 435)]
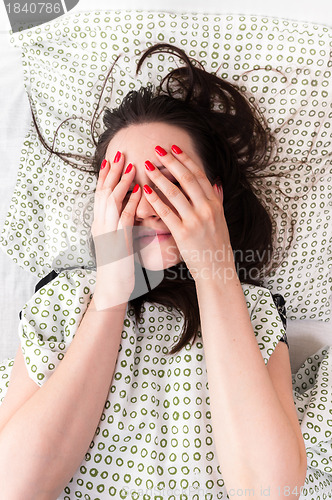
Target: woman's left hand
[(201, 232)]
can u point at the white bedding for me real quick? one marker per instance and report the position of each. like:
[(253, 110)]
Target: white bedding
[(308, 339), (16, 284)]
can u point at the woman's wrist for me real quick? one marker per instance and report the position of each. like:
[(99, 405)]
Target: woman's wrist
[(218, 276), (102, 302)]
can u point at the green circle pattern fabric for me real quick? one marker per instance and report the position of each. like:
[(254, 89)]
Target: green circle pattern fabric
[(155, 433), (284, 65)]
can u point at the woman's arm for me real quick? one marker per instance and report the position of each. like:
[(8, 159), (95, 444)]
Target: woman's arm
[(258, 445), (21, 388), (45, 440)]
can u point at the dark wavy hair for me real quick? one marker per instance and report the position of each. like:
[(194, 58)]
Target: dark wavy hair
[(234, 143)]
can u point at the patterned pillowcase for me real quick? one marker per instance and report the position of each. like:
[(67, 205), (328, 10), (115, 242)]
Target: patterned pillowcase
[(284, 65)]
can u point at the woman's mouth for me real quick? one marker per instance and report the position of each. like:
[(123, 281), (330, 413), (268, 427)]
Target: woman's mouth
[(157, 237)]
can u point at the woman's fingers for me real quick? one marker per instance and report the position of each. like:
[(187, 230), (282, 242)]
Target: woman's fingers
[(107, 188), (108, 178), (112, 230), (115, 171), (116, 243), (116, 200), (112, 187), (128, 217), (101, 193)]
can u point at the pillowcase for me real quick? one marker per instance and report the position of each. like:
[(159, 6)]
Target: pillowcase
[(283, 64)]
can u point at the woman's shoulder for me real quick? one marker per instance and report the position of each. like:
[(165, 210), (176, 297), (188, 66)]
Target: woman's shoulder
[(72, 273), (57, 307), (61, 290), (259, 291), (50, 319), (259, 297), (67, 279), (268, 317), (254, 293)]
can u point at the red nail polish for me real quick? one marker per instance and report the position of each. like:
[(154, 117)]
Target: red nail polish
[(176, 149), (117, 157), (103, 164), (147, 189), (136, 188), (160, 151), (149, 166), (128, 169)]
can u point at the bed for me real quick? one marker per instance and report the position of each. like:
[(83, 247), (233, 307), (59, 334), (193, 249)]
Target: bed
[(293, 88)]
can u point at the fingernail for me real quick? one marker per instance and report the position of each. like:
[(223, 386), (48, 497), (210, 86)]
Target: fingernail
[(176, 149), (117, 157), (160, 151), (147, 189), (221, 194), (103, 164), (128, 169), (136, 188), (149, 166)]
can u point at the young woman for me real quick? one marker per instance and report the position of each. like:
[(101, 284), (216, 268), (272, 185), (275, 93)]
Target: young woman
[(184, 390)]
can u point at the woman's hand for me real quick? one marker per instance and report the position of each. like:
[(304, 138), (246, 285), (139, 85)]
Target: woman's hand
[(112, 234), (201, 232)]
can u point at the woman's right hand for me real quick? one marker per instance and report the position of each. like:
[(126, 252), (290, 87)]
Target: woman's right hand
[(112, 235)]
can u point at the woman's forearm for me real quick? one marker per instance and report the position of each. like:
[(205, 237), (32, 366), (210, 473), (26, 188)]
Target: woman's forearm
[(255, 441), (45, 441)]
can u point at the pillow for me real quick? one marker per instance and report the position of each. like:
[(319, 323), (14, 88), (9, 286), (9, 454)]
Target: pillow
[(283, 64)]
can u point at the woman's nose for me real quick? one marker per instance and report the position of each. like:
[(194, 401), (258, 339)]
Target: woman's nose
[(144, 208)]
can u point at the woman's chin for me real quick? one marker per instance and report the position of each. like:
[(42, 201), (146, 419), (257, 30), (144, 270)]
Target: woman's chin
[(156, 256)]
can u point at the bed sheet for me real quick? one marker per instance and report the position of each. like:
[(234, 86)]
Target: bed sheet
[(17, 285), (312, 384)]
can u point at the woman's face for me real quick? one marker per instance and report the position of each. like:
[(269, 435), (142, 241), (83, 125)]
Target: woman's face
[(137, 143)]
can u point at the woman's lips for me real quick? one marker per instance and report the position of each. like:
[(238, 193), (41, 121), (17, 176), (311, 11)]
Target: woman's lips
[(158, 237)]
